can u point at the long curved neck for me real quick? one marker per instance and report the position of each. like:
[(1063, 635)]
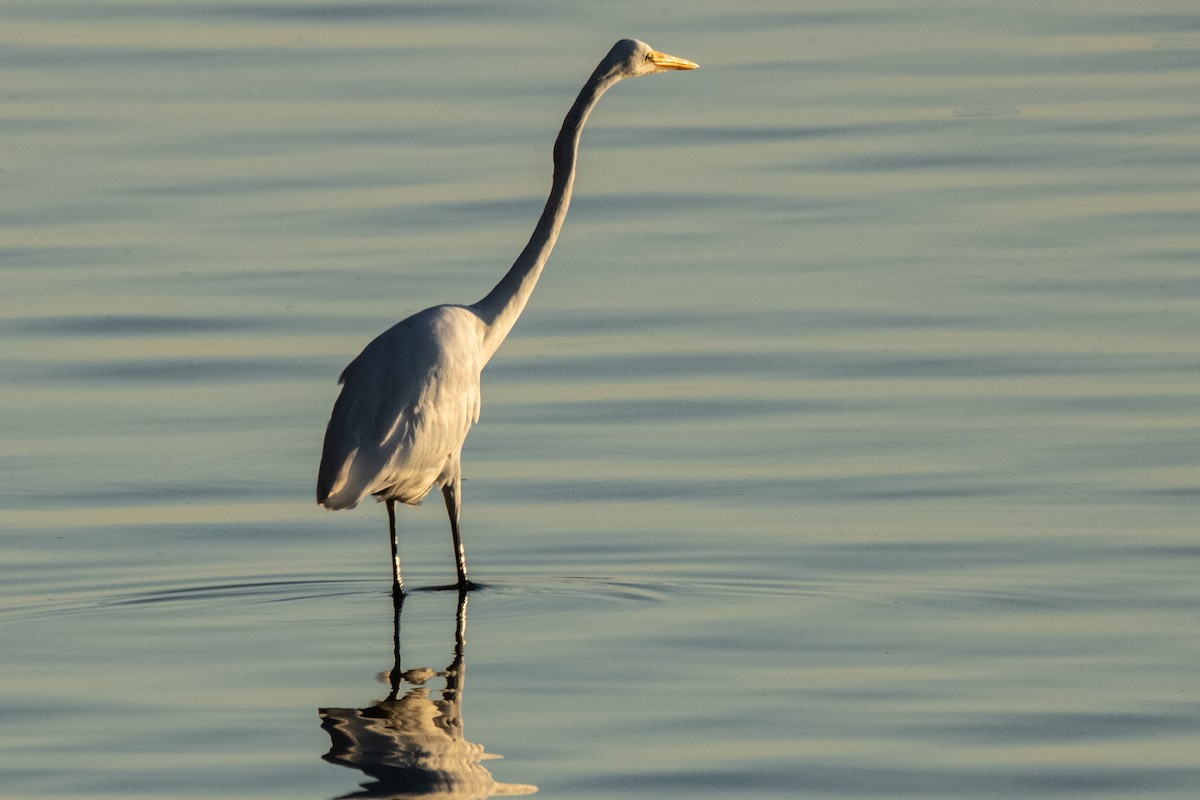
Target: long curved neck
[(500, 309)]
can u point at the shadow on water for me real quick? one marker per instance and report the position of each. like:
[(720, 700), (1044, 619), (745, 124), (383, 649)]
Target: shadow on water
[(411, 744)]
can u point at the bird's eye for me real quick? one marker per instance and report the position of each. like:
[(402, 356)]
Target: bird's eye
[(648, 57)]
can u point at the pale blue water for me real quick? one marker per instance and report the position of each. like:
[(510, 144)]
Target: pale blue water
[(848, 447)]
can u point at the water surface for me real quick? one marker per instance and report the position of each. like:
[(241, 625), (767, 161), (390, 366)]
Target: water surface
[(847, 448)]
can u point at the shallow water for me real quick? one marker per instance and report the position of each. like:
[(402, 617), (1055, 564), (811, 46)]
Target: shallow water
[(847, 449)]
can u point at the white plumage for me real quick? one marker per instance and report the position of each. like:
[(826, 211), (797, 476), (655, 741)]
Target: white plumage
[(406, 406)]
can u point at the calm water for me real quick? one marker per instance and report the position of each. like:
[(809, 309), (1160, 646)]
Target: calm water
[(847, 449)]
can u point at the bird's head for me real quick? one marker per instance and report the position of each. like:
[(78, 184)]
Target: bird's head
[(629, 58)]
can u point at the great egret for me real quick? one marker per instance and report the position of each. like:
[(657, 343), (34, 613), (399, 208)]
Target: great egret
[(410, 397)]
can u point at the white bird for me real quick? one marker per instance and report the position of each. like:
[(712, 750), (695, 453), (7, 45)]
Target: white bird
[(410, 397)]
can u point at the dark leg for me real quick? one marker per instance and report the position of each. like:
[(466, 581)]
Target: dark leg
[(452, 491), (397, 581)]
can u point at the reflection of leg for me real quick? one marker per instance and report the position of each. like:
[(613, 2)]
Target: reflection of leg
[(456, 673), (396, 676), (460, 627), (452, 492), (397, 581)]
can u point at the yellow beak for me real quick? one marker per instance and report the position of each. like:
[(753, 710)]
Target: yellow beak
[(664, 61)]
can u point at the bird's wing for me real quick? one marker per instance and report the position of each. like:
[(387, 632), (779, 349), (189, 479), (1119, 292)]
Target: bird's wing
[(406, 405)]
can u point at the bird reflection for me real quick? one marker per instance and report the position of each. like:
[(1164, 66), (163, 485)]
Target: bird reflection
[(411, 744)]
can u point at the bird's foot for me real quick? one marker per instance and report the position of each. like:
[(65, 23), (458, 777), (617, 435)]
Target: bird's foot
[(462, 586)]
